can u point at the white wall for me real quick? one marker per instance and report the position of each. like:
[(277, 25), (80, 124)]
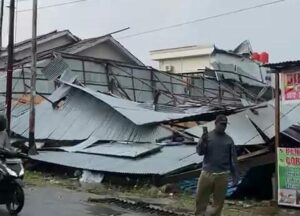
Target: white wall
[(185, 65), (106, 51)]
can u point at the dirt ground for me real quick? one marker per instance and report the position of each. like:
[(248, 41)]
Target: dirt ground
[(180, 203)]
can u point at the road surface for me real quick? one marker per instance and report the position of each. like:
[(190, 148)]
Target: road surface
[(51, 201)]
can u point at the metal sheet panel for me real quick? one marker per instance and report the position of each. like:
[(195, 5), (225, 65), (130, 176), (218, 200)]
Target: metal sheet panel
[(168, 160), (130, 150), (142, 74), (59, 94), (85, 144), (265, 119), (82, 116), (293, 132), (97, 88), (125, 82), (144, 96), (94, 67), (243, 131), (133, 111), (19, 109), (163, 77), (55, 68), (74, 64), (224, 61), (239, 128)]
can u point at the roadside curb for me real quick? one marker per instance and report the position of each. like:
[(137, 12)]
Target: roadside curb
[(137, 205)]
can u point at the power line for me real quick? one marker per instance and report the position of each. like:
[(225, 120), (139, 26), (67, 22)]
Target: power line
[(203, 19), (51, 6)]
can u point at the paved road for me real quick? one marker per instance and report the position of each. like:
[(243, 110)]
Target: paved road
[(60, 202)]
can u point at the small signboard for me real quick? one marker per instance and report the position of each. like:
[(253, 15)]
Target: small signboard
[(291, 86), (289, 177)]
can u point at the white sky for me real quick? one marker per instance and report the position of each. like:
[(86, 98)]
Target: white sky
[(272, 28)]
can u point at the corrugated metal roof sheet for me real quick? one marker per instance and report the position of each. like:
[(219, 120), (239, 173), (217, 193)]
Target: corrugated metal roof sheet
[(244, 133), (47, 35), (283, 65), (85, 144), (293, 132), (82, 116), (137, 112), (116, 149), (19, 109), (26, 44), (265, 119), (168, 160), (55, 68), (239, 128)]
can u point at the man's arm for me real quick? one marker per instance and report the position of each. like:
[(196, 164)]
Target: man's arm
[(201, 146)]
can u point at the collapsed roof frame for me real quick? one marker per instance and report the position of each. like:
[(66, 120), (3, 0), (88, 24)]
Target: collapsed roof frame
[(221, 95)]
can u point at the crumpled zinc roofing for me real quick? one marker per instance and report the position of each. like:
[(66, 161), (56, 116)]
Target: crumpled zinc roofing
[(168, 160), (240, 128), (136, 112), (118, 149), (131, 150), (293, 132), (82, 116)]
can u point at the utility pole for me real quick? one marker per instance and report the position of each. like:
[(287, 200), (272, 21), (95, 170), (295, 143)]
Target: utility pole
[(32, 146), (1, 22), (10, 62), (277, 126)]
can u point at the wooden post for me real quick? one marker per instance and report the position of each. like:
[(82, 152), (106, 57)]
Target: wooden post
[(133, 85), (1, 22), (153, 86), (10, 63), (32, 146), (277, 127), (109, 87), (83, 71)]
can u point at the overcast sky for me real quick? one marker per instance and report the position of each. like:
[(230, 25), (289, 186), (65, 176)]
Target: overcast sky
[(272, 28)]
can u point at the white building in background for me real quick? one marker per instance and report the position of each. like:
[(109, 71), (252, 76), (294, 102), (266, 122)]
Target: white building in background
[(183, 59), (237, 64)]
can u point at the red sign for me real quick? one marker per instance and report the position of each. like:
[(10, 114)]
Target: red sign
[(291, 86)]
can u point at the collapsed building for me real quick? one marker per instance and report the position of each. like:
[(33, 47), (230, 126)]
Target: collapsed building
[(100, 109)]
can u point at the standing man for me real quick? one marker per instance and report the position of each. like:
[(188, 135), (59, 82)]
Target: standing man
[(220, 160)]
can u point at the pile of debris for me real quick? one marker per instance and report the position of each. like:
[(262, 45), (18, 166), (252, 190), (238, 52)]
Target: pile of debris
[(107, 134), (120, 117), (88, 130)]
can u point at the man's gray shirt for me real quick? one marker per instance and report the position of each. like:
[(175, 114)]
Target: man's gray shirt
[(219, 153)]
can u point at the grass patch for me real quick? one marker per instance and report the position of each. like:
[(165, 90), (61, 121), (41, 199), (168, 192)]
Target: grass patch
[(35, 178)]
